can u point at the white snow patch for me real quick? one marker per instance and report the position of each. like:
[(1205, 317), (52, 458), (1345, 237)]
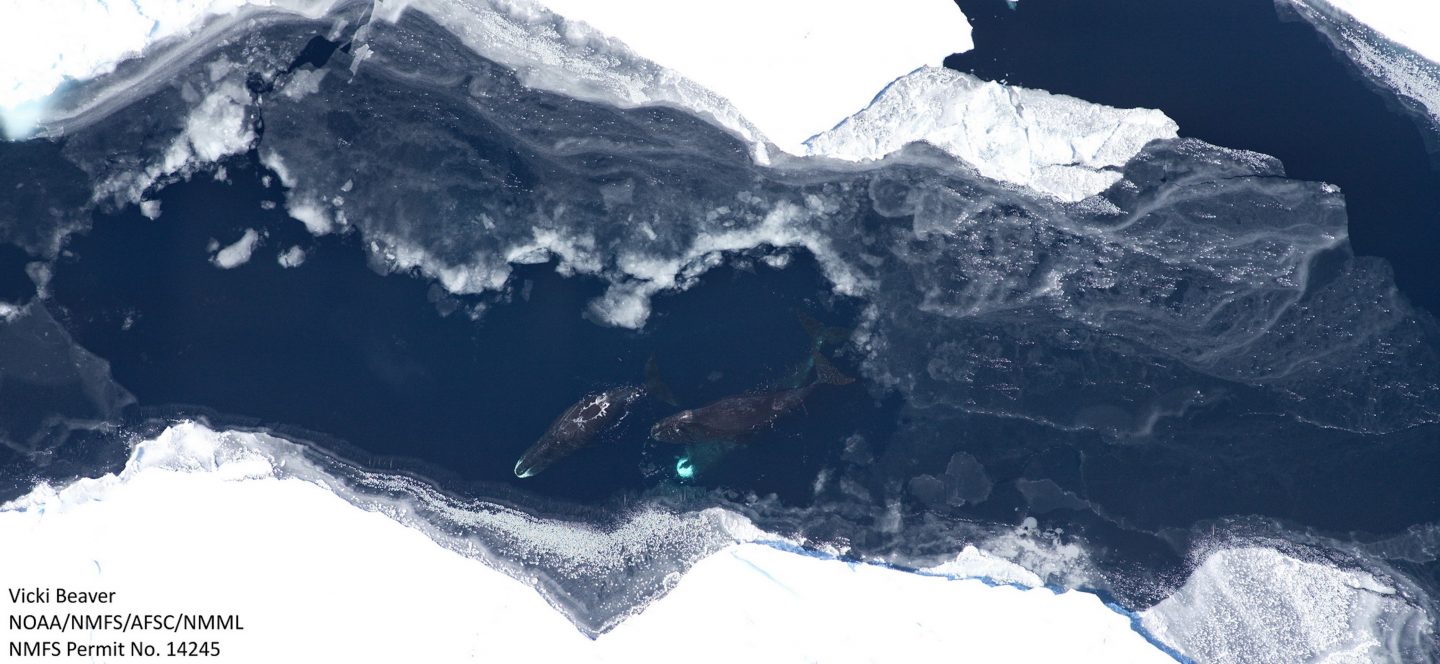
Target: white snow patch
[(1256, 604), (304, 207), (302, 83), (150, 209), (218, 501), (1368, 31), (1065, 147), (1414, 24), (314, 214), (271, 160), (219, 126), (292, 257), (479, 276), (237, 253), (9, 311), (974, 563), (626, 303)]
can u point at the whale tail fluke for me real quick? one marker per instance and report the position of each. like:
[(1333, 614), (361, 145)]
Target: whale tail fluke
[(827, 373)]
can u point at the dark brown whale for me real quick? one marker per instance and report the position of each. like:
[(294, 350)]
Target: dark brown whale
[(738, 417)]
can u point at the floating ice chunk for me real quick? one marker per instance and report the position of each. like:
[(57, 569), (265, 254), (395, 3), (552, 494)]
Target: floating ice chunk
[(1065, 147), (292, 257), (217, 127), (271, 160), (304, 207), (150, 209), (974, 563), (313, 214), (237, 253), (1257, 604), (303, 82)]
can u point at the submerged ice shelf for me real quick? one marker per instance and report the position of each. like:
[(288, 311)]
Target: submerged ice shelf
[(343, 566)]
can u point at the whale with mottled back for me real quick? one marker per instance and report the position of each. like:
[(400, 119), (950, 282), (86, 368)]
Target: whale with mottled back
[(577, 427), (586, 419), (736, 418)]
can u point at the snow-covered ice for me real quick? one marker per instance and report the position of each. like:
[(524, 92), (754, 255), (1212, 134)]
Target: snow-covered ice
[(1256, 604), (1065, 147), (292, 257), (150, 209), (793, 68), (302, 567), (1395, 42), (44, 44), (804, 67), (1414, 24), (238, 252)]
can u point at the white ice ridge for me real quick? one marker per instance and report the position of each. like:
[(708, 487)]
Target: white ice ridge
[(793, 68), (1062, 146), (1414, 24), (200, 521), (1369, 30), (1256, 604)]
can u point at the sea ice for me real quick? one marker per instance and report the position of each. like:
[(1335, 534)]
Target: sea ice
[(238, 252), (1065, 147), (1369, 32), (344, 566)]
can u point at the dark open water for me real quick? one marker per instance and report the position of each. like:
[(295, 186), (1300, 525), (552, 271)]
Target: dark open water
[(336, 348)]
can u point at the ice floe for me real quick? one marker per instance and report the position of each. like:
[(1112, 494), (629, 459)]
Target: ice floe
[(238, 252), (1065, 147), (292, 257)]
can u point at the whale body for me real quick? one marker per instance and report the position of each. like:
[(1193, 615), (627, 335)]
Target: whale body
[(577, 427)]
